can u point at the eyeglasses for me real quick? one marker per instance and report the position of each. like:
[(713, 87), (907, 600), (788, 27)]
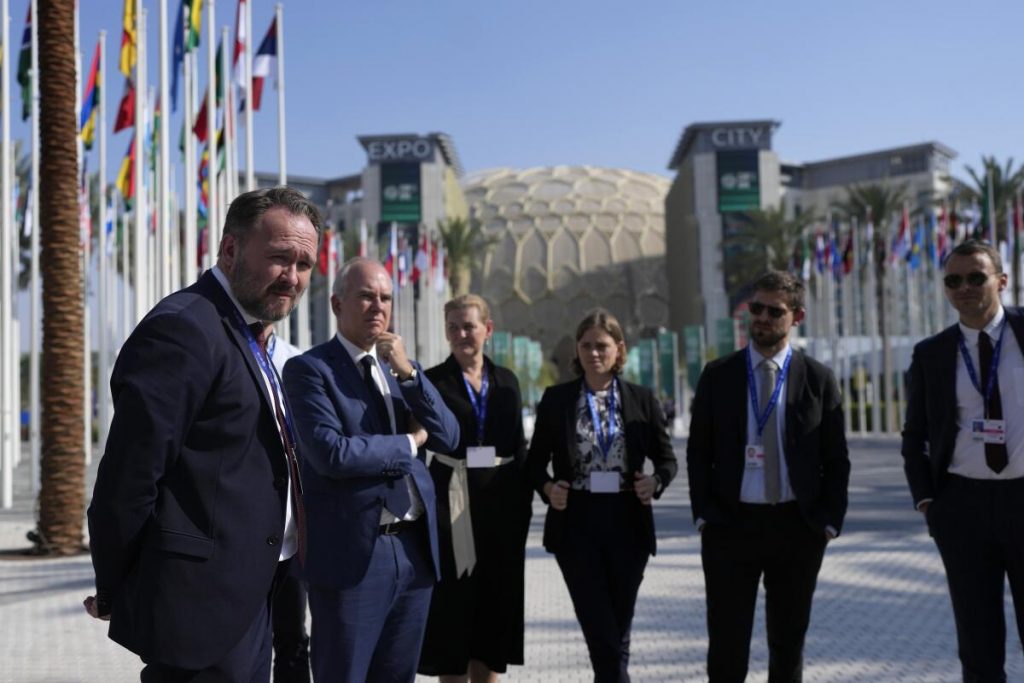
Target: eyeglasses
[(975, 279), (757, 308)]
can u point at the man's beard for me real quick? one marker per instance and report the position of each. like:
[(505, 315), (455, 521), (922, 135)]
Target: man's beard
[(766, 338), (253, 299)]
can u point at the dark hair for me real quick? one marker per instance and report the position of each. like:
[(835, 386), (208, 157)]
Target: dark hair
[(247, 210), (605, 321), (781, 281), (972, 247)]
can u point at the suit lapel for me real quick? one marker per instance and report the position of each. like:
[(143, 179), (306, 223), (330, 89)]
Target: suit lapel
[(631, 421), (209, 287), (795, 381), (348, 374)]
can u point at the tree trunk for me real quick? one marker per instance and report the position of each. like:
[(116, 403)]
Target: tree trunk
[(62, 494), (459, 279)]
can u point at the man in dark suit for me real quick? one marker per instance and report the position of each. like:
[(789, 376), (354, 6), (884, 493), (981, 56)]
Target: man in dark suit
[(196, 511), (364, 413), (963, 451), (767, 484)]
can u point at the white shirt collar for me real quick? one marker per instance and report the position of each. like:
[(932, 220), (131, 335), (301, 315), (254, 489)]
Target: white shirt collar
[(756, 358), (993, 329), (354, 351), (223, 280)]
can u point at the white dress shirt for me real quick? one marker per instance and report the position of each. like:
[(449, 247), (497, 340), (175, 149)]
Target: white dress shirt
[(290, 542), (752, 488), (416, 507), (969, 455)]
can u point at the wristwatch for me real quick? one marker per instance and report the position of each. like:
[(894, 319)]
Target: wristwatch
[(408, 378)]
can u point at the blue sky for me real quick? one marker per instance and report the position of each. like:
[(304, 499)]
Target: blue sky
[(543, 82)]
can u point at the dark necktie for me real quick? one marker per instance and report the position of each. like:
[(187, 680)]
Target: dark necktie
[(996, 456), (298, 509), (396, 497)]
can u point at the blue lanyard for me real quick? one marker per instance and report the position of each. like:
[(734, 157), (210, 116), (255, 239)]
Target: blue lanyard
[(605, 438), (780, 381), (479, 403), (263, 360), (992, 370)]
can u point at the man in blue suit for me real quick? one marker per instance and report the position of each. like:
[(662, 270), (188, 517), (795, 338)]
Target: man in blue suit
[(364, 413), (196, 512)]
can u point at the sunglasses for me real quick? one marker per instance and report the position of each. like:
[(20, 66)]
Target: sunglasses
[(757, 308), (974, 279)]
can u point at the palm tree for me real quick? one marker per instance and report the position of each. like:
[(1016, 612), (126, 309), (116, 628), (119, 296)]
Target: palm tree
[(1006, 182), (761, 240), (62, 493), (464, 245)]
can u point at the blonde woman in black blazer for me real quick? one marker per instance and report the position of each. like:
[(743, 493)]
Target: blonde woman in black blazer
[(596, 432)]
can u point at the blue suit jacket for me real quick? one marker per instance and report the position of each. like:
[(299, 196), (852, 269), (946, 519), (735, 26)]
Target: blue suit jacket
[(188, 510), (348, 463)]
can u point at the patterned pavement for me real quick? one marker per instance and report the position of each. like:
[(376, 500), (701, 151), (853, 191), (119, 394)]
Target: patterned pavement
[(881, 612)]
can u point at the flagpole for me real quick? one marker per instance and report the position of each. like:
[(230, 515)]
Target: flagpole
[(164, 159), (189, 172), (228, 141), (7, 444), (140, 252), (103, 291), (250, 163), (212, 214)]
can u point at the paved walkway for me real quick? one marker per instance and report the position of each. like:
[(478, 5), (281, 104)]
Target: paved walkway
[(881, 613)]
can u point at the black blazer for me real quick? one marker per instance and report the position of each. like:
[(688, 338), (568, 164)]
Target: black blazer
[(932, 422), (816, 454), (554, 435), (188, 510)]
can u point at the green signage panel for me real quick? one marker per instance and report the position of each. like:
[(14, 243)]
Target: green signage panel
[(725, 333), (400, 192), (739, 186), (501, 348), (693, 341), (668, 363), (648, 362)]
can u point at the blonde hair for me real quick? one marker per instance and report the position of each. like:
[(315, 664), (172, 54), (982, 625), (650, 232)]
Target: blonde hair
[(468, 301)]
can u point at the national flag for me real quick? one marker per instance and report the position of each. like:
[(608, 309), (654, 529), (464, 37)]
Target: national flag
[(422, 261), (819, 252), (262, 61), (179, 54), (129, 39), (847, 260), (900, 241), (391, 262), (195, 24), (126, 176), (201, 126), (108, 226), (154, 137), (126, 109), (324, 257), (241, 41), (916, 246), (404, 259), (942, 234), (90, 103), (25, 66), (218, 91)]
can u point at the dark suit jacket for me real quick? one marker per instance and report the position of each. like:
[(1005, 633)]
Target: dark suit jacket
[(188, 510), (815, 446), (348, 461), (554, 436), (503, 427), (932, 422)]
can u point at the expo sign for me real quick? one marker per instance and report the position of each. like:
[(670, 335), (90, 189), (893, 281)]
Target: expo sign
[(403, 149)]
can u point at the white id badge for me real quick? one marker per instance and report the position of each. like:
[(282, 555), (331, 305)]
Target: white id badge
[(989, 431), (753, 456), (480, 456), (604, 482)]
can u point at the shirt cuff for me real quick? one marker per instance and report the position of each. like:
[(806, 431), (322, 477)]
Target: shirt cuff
[(832, 530), (412, 445), (921, 502)]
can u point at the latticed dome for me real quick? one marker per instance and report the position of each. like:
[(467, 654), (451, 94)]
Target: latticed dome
[(568, 239)]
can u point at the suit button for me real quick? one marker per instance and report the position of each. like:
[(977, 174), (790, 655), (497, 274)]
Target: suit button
[(272, 540), (280, 482)]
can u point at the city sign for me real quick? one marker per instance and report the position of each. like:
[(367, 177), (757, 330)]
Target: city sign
[(740, 137)]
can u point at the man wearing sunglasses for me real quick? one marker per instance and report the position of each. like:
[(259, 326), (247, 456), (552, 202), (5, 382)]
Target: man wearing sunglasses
[(963, 451), (768, 469)]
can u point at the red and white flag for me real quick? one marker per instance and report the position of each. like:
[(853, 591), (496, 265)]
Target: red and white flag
[(262, 61)]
